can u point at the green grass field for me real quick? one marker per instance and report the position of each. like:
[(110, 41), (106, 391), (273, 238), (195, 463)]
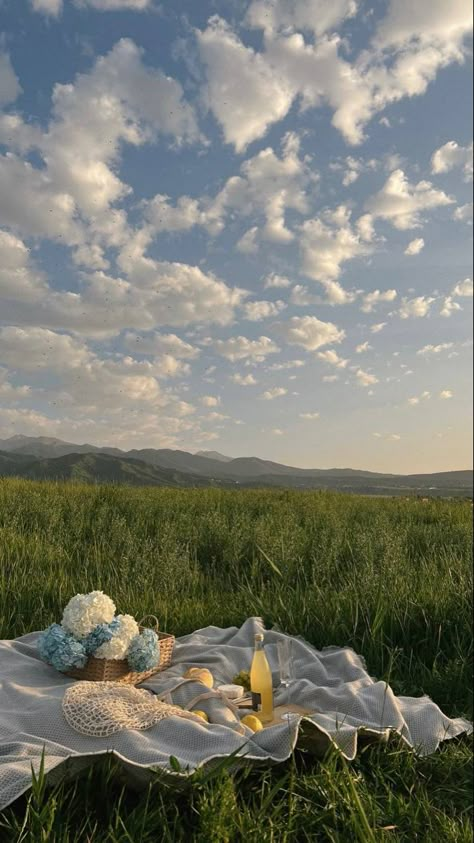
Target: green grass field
[(389, 577)]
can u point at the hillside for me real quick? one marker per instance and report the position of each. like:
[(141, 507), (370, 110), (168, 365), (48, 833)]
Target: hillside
[(95, 468), (252, 473)]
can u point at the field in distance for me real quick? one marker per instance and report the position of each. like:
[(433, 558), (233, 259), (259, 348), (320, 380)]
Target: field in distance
[(390, 577)]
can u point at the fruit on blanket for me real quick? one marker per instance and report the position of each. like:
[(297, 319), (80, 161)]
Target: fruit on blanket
[(242, 678), (252, 722), (201, 714), (200, 674)]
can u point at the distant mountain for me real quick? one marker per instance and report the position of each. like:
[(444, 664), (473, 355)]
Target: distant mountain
[(206, 464), (95, 468), (164, 467), (48, 446), (213, 455)]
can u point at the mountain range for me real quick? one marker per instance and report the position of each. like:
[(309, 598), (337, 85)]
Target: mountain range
[(47, 458)]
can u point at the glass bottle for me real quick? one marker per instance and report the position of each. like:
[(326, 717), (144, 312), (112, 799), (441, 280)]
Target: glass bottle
[(261, 682)]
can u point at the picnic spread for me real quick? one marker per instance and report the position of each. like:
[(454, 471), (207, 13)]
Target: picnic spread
[(192, 708)]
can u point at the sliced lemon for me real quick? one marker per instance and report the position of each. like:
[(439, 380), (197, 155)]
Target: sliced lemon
[(252, 722), (202, 715)]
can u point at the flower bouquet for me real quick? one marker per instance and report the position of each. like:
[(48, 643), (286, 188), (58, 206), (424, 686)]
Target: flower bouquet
[(93, 643)]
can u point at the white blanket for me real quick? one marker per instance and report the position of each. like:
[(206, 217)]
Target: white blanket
[(332, 683)]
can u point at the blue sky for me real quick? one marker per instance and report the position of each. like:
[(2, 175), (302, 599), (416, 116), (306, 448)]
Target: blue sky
[(242, 226)]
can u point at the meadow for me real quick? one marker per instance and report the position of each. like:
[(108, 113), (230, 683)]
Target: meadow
[(390, 577)]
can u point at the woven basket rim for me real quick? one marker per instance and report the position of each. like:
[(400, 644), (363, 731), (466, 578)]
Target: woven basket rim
[(120, 667)]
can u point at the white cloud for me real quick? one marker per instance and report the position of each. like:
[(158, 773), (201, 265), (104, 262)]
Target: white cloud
[(244, 380), (416, 308), (248, 242), (364, 346), (116, 5), (417, 399), (18, 278), (248, 91), (464, 213), (276, 281), (178, 294), (365, 378), (33, 206), (388, 437), (93, 386), (330, 378), (9, 392), (352, 172), (290, 364), (316, 16), (255, 311), (464, 288), (242, 348), (180, 217), (54, 7), (268, 185), (371, 300), (365, 227), (310, 333), (402, 204), (415, 246), (449, 307), (445, 394), (155, 343), (243, 91), (47, 7), (217, 417), (29, 349), (452, 155), (210, 400), (309, 416), (427, 22), (10, 87), (327, 243), (435, 349), (277, 431), (332, 357), (375, 329), (119, 101), (275, 392), (302, 297)]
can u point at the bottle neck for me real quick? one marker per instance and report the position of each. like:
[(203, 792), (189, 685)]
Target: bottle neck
[(258, 646)]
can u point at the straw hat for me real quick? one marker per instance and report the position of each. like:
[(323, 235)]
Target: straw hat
[(100, 709)]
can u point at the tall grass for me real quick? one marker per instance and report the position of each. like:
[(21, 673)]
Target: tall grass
[(390, 577)]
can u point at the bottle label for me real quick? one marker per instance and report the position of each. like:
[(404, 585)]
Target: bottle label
[(256, 701)]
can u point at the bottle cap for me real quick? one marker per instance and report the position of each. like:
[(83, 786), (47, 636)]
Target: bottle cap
[(259, 636)]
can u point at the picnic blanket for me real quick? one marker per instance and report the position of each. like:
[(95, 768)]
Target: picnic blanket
[(332, 683)]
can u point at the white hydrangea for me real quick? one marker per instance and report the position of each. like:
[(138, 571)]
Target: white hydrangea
[(85, 611), (117, 647)]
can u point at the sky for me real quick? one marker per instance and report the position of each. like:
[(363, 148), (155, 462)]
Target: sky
[(239, 226)]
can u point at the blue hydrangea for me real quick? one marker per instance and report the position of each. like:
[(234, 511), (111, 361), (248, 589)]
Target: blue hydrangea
[(144, 651), (101, 634), (60, 649)]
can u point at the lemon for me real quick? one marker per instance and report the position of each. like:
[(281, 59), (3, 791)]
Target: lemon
[(200, 674), (202, 715), (252, 722)]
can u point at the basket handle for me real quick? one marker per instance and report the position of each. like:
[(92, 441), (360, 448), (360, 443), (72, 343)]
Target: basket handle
[(157, 623)]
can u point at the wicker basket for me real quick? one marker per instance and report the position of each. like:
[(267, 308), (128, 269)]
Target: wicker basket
[(118, 670)]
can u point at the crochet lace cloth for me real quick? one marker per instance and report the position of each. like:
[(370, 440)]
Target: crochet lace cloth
[(100, 709)]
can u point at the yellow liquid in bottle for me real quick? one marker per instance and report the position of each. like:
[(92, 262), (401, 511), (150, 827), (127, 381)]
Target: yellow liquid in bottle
[(261, 682)]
